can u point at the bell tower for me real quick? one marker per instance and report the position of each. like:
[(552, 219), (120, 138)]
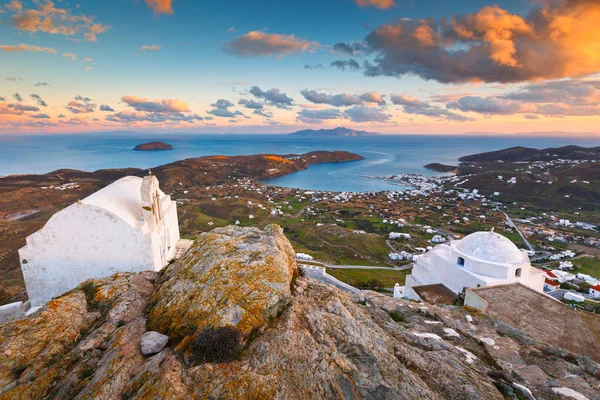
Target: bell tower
[(151, 206)]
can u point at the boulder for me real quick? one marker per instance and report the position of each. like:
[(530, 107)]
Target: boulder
[(153, 342), (233, 276)]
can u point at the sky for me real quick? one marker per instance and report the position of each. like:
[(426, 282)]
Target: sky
[(264, 66)]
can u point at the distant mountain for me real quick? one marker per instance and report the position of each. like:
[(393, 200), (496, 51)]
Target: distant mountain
[(333, 132), (514, 154)]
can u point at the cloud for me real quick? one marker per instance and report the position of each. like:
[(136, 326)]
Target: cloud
[(38, 99), (412, 105), (315, 116), (381, 4), (343, 64), (17, 97), (160, 6), (250, 104), (342, 99), (273, 97), (158, 106), (2, 98), (150, 48), (105, 107), (316, 66), (529, 116), (221, 109), (258, 43), (72, 56), (263, 113), (61, 116), (575, 97), (40, 116), (555, 40), (352, 49), (366, 114), (14, 79), (372, 97), (81, 105), (14, 6), (155, 118), (338, 100), (490, 105), (26, 47), (43, 84), (23, 107), (56, 21)]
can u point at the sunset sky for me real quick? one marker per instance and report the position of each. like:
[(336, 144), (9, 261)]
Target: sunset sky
[(264, 66)]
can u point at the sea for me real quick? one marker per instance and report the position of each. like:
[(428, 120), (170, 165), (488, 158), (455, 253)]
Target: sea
[(384, 155)]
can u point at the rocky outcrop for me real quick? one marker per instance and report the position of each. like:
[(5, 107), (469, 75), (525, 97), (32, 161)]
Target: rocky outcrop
[(310, 341), (153, 343), (238, 277)]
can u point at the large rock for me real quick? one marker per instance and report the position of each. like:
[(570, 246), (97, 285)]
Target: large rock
[(237, 277), (153, 342)]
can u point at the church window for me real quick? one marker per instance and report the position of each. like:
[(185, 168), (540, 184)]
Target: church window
[(518, 272)]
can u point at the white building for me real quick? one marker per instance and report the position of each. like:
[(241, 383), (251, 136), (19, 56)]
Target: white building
[(128, 226), (478, 260)]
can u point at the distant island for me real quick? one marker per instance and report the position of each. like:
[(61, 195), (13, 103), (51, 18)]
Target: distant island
[(333, 132), (153, 146)]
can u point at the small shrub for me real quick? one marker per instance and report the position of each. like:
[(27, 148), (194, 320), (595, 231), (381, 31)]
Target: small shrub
[(216, 345), (396, 316), (86, 373)]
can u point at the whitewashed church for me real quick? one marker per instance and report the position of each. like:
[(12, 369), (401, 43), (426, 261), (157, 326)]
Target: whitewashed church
[(128, 226), (479, 259)]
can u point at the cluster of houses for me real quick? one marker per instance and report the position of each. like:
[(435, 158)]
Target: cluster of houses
[(554, 278)]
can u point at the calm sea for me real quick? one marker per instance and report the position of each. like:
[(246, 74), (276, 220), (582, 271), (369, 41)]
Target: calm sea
[(384, 155)]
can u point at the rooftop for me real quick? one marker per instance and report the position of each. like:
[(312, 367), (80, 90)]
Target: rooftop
[(491, 247), (122, 198), (543, 318)]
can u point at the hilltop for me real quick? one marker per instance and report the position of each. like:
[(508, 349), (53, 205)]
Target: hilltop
[(333, 132), (241, 322), (514, 154)]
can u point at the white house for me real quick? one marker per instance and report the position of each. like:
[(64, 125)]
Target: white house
[(595, 291), (480, 259), (128, 226)]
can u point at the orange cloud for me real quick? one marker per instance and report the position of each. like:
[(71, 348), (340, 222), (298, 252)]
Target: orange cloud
[(27, 47), (258, 43), (156, 106), (558, 39), (161, 6), (149, 48), (381, 4), (56, 21)]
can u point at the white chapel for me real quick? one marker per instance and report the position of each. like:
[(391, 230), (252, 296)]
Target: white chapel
[(128, 226), (479, 259)]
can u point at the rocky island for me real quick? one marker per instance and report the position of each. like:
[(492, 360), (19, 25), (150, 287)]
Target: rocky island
[(153, 146), (437, 167), (333, 132)]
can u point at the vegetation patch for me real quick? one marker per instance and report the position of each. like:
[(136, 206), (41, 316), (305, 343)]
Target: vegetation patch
[(216, 345)]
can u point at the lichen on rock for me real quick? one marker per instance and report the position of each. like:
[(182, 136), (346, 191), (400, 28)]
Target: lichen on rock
[(233, 276)]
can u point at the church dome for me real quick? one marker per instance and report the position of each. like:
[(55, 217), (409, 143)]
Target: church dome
[(491, 247)]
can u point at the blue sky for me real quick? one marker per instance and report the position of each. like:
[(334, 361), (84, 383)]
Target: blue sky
[(189, 58)]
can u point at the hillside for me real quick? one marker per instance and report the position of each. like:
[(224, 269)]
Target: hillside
[(240, 323), (333, 132), (514, 154), (28, 201)]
